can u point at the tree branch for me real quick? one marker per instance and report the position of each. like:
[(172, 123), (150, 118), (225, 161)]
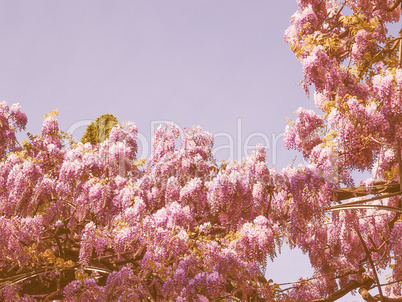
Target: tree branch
[(377, 298), (372, 265), (377, 188), (364, 206), (352, 285), (393, 6)]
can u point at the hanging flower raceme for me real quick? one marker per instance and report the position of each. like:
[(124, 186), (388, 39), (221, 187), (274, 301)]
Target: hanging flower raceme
[(10, 121)]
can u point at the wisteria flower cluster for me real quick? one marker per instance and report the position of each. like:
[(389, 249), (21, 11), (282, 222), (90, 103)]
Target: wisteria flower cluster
[(84, 221), (354, 67), (89, 221), (92, 222)]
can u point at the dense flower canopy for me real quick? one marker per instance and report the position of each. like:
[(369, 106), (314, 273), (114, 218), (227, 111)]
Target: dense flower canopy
[(353, 65), (89, 221)]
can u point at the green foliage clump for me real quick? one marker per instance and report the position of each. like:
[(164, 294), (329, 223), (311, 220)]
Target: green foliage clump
[(99, 130)]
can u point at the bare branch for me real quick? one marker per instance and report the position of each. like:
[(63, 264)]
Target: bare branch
[(377, 188), (372, 265), (386, 299), (393, 6), (364, 206), (352, 285)]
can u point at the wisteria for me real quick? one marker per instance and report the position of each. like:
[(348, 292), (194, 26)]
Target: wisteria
[(89, 221), (10, 122), (354, 67)]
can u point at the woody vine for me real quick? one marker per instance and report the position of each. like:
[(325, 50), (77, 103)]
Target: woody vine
[(88, 220)]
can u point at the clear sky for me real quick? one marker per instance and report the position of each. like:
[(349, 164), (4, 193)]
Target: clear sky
[(219, 64), (222, 65)]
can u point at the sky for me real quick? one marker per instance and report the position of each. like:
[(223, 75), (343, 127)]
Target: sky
[(222, 65)]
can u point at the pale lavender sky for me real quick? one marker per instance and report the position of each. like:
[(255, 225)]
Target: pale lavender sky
[(208, 63), (203, 62)]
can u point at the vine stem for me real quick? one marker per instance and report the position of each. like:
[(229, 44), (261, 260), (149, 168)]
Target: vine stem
[(371, 263), (400, 166), (400, 49)]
